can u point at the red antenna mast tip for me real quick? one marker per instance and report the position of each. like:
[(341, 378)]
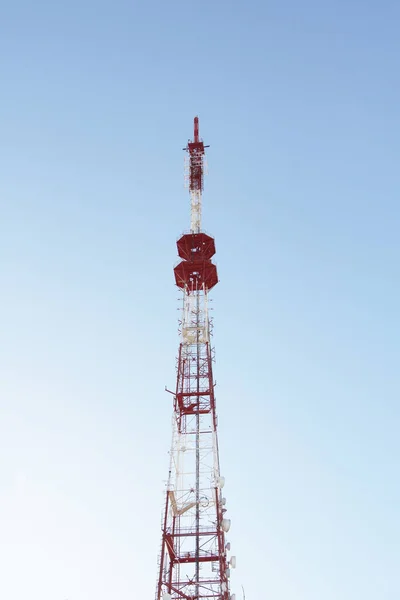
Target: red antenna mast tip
[(196, 129)]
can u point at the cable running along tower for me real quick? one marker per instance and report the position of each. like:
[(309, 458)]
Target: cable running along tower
[(194, 562)]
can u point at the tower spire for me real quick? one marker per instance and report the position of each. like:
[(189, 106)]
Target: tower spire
[(195, 150), (196, 129), (194, 562)]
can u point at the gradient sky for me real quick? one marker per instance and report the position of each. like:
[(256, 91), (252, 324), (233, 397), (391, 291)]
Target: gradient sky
[(300, 103)]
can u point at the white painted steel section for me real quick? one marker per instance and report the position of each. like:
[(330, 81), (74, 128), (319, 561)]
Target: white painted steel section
[(195, 319), (195, 205)]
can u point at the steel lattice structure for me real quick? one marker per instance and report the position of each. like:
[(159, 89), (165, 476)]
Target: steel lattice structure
[(193, 562)]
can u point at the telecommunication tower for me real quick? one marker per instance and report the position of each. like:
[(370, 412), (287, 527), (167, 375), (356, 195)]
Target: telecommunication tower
[(194, 562)]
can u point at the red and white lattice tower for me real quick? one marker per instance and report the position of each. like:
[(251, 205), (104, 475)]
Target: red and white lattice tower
[(194, 563)]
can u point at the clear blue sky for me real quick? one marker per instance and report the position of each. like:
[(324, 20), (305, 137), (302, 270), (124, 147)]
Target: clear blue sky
[(300, 103)]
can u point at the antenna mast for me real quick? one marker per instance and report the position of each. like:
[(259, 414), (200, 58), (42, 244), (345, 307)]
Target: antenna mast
[(195, 150)]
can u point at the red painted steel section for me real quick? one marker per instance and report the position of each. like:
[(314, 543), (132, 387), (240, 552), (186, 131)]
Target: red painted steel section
[(191, 275), (196, 153), (192, 246)]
